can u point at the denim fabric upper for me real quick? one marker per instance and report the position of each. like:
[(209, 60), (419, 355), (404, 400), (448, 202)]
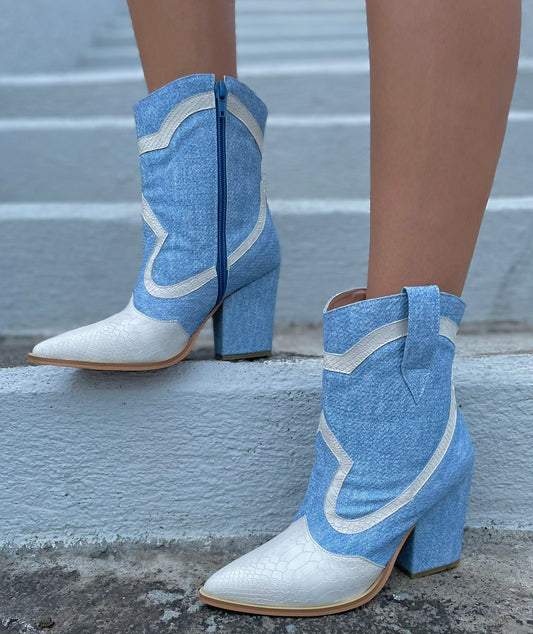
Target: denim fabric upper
[(244, 196), (180, 184), (388, 431)]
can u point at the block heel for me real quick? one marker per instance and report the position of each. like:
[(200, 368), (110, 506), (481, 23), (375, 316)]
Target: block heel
[(244, 324), (435, 543)]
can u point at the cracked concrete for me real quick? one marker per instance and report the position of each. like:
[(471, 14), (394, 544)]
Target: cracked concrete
[(125, 587)]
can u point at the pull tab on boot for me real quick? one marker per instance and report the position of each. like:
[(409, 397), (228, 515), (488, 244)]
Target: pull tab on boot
[(423, 304)]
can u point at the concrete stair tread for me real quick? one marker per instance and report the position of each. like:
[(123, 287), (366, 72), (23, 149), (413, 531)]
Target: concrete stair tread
[(323, 94), (301, 341)]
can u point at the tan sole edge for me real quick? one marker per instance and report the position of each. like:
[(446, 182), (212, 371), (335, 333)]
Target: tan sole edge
[(323, 610), (246, 355), (431, 571), (123, 367)]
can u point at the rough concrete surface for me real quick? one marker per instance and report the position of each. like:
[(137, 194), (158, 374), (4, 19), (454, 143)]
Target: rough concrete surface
[(214, 447), (126, 587)]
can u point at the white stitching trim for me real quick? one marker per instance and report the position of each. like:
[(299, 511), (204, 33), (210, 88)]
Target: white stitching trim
[(239, 110), (175, 290), (203, 101), (200, 279), (346, 362), (161, 139), (354, 526)]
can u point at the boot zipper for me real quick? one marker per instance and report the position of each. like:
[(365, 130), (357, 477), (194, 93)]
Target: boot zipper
[(220, 101)]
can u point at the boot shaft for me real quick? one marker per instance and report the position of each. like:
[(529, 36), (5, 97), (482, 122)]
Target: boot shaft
[(207, 228), (388, 381)]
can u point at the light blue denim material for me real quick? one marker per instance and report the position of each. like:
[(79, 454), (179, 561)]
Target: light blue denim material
[(389, 415), (244, 195), (245, 321), (180, 183)]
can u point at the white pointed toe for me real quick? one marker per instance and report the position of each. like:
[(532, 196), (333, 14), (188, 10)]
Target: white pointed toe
[(128, 337), (291, 575), (392, 470)]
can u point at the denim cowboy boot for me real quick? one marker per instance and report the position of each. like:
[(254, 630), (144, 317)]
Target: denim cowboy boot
[(392, 471), (210, 247)]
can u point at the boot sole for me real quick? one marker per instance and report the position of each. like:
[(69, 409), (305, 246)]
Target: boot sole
[(142, 367), (323, 610)]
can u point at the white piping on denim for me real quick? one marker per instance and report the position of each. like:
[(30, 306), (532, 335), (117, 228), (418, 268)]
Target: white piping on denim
[(346, 362), (239, 110), (197, 103), (200, 279), (161, 139), (354, 526), (175, 290)]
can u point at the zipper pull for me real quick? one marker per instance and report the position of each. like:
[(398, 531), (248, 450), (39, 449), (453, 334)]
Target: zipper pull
[(221, 93)]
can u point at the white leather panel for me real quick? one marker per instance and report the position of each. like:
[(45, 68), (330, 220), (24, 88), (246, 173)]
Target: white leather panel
[(161, 139), (239, 110), (172, 290), (195, 282), (127, 337), (348, 361), (292, 570), (360, 524)]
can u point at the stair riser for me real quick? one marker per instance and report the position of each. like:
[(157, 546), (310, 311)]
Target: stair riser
[(302, 95), (199, 449), (84, 262), (300, 162)]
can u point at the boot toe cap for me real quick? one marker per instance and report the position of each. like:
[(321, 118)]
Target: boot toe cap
[(127, 337), (292, 571)]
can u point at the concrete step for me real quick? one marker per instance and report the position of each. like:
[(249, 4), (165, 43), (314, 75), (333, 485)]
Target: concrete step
[(283, 27), (338, 89), (250, 52), (291, 94), (85, 258), (94, 456), (50, 36), (299, 340), (305, 157)]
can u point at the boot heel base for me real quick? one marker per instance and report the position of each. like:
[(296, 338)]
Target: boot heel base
[(245, 355), (243, 326), (436, 540), (430, 571)]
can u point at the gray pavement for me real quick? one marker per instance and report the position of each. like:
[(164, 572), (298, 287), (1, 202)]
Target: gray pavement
[(153, 589)]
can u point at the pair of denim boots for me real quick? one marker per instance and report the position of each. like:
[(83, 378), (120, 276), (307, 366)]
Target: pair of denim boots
[(394, 459)]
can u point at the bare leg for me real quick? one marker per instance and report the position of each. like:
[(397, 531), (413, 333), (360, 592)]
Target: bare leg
[(442, 76), (183, 37)]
